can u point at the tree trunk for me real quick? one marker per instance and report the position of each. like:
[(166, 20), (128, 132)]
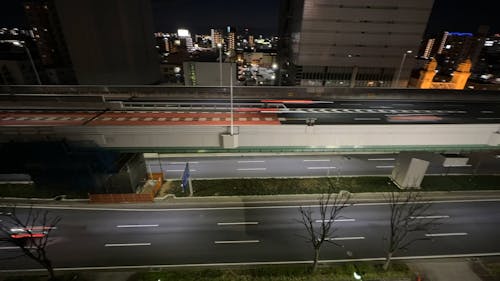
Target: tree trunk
[(315, 262), (387, 261)]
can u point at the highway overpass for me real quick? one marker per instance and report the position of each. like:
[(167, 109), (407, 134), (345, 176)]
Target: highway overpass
[(182, 120)]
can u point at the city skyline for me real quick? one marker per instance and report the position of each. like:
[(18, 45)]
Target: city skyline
[(200, 16)]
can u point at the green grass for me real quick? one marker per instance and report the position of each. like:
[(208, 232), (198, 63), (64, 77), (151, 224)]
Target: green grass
[(371, 271), (273, 186), (33, 191), (468, 182)]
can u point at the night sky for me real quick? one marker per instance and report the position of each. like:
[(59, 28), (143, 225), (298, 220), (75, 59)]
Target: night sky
[(261, 16)]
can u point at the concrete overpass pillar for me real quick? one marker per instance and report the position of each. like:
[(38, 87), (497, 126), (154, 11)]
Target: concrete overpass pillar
[(229, 141), (409, 171), (494, 139)]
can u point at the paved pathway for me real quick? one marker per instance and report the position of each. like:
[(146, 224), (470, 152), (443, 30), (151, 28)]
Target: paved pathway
[(444, 270)]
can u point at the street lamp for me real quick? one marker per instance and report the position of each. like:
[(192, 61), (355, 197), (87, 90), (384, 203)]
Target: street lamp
[(231, 95), (219, 45), (396, 82), (20, 44)]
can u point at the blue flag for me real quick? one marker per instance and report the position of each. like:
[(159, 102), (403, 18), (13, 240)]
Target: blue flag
[(185, 178)]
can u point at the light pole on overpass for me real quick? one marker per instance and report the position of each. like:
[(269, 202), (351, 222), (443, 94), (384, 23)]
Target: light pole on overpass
[(219, 45), (21, 44), (396, 82)]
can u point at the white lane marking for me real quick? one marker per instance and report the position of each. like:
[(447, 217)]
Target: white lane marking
[(251, 263), (251, 169), (321, 168), (238, 223), (345, 238), (487, 111), (191, 170), (137, 225), (15, 247), (240, 207), (127, 245), (236, 241), (316, 160), (337, 220), (445, 234), (428, 217), (251, 161), (181, 163), (366, 119), (384, 167), (464, 165), (381, 159)]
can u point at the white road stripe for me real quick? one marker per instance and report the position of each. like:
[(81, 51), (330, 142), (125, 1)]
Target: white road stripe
[(365, 119), (384, 167), (15, 248), (251, 161), (236, 241), (465, 165), (316, 160), (429, 217), (251, 169), (238, 223), (345, 238), (445, 234), (337, 220), (321, 168), (181, 163), (127, 245), (381, 159), (191, 170), (137, 225)]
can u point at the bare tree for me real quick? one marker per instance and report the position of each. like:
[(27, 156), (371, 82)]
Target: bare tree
[(322, 228), (409, 217), (30, 232)]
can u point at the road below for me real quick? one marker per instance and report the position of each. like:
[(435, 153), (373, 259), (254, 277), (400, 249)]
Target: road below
[(103, 238), (312, 165)]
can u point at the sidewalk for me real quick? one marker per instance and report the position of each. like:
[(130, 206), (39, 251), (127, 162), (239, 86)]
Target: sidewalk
[(226, 201)]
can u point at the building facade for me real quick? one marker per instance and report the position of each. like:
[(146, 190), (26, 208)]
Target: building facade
[(356, 43), (102, 42)]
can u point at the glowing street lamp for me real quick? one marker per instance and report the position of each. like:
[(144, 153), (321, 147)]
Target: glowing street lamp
[(219, 45), (396, 82), (21, 44)]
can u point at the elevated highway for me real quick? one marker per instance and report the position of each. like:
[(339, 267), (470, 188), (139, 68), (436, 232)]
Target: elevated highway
[(107, 128)]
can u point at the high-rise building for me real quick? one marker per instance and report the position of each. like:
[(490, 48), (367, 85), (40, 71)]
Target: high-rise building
[(231, 40), (108, 42), (42, 19), (354, 43), (216, 37), (456, 47)]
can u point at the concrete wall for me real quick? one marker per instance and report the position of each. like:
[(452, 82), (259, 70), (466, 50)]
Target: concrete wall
[(333, 136)]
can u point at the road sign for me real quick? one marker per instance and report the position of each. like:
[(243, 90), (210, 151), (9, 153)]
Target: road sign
[(185, 178)]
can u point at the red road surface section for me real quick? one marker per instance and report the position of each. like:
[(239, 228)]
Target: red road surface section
[(134, 118)]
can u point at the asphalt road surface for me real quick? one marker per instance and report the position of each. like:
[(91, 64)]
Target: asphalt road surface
[(312, 165), (104, 238)]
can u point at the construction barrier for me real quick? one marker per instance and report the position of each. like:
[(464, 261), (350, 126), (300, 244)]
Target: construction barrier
[(121, 198)]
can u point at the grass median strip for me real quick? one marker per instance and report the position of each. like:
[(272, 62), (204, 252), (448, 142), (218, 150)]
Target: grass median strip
[(371, 271)]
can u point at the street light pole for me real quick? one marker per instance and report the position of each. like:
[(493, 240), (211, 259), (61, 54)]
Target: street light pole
[(219, 45), (20, 44), (396, 82), (231, 95)]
